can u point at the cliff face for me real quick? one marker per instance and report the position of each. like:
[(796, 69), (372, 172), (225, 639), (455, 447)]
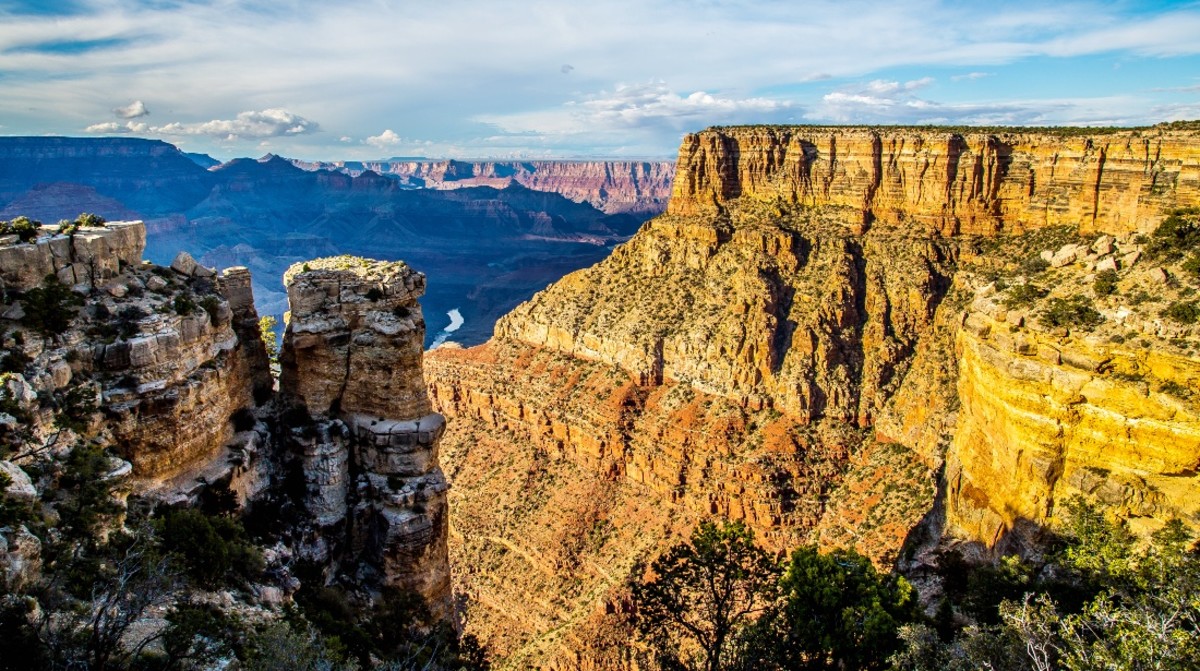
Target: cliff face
[(351, 363), (614, 187), (167, 357), (950, 182), (147, 177), (165, 368), (801, 343), (1107, 412)]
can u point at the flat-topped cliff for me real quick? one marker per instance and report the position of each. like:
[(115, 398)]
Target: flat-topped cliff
[(614, 187), (950, 181), (827, 338), (351, 367)]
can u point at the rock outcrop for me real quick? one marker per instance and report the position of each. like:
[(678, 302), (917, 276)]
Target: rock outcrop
[(85, 259), (614, 187), (351, 365), (800, 343), (166, 359), (953, 182)]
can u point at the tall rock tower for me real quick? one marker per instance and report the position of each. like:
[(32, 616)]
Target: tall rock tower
[(362, 425)]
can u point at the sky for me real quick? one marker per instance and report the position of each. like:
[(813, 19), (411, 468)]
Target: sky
[(365, 79)]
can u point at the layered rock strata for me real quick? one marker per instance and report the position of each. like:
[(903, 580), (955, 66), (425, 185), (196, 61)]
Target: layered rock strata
[(798, 344), (1107, 412), (351, 365), (614, 187), (85, 259), (167, 357), (953, 182)]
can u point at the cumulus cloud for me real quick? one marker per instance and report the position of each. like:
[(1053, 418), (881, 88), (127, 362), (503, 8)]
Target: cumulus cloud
[(893, 102), (387, 138), (254, 125), (133, 110), (61, 64), (111, 127), (643, 106)]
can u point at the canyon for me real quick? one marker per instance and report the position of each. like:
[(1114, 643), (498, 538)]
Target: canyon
[(613, 187), (488, 245), (820, 338), (898, 341), (166, 369)]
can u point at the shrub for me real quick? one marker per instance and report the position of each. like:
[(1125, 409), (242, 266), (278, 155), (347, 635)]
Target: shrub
[(1076, 311), (14, 361), (1023, 295), (1105, 283), (213, 551), (50, 307), (211, 305), (184, 304), (89, 220), (75, 408), (1177, 234), (1183, 312), (127, 321), (24, 228), (1192, 265), (1034, 265)]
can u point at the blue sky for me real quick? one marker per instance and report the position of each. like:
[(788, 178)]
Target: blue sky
[(362, 79)]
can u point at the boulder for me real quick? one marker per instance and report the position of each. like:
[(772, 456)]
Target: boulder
[(184, 264), (20, 487)]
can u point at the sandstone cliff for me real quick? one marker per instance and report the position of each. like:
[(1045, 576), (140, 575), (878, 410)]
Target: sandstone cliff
[(351, 366), (802, 342), (166, 358), (970, 182), (614, 187)]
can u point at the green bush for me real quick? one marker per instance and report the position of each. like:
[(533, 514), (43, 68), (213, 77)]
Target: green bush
[(23, 227), (184, 304), (50, 307), (127, 321), (1034, 265), (1183, 312), (1192, 265), (75, 408), (1023, 295), (1105, 283), (213, 550), (1076, 311), (1177, 234), (211, 304), (89, 220)]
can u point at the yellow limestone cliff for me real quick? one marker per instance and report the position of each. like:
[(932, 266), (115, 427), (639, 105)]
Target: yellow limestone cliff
[(797, 343)]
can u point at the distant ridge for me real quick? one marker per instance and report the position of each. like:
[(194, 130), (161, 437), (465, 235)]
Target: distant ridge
[(612, 186)]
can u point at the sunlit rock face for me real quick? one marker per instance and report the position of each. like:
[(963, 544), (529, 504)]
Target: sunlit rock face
[(351, 363), (802, 342)]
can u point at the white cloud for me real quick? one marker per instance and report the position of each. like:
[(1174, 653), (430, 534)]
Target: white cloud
[(110, 127), (642, 106), (387, 138), (267, 123), (970, 76), (133, 110), (728, 61), (887, 105)]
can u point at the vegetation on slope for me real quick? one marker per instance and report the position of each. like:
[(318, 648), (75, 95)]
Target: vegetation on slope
[(1100, 601)]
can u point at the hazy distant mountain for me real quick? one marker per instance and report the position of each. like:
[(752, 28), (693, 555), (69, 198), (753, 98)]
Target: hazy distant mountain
[(611, 186), (484, 249)]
